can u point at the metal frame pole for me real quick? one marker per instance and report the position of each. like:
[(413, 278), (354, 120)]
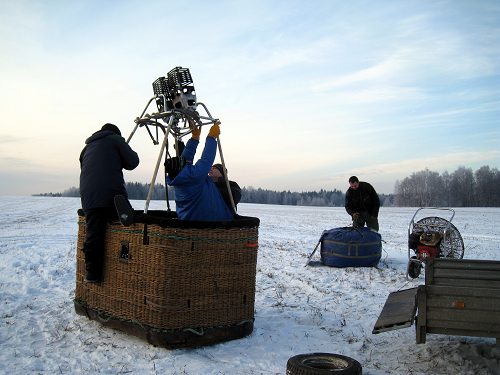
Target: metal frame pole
[(137, 124), (225, 176), (163, 146)]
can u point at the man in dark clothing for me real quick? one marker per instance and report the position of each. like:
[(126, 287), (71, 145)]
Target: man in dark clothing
[(217, 176), (101, 162), (362, 203)]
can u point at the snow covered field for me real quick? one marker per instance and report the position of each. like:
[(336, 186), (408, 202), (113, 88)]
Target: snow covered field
[(298, 309)]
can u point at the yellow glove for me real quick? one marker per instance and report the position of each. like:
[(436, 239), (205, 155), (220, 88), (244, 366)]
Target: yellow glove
[(214, 130), (355, 216), (195, 131)]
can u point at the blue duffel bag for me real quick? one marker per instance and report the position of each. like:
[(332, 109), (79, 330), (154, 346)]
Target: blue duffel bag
[(351, 247)]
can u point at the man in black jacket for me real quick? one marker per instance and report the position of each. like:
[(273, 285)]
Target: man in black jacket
[(101, 162), (362, 203), (217, 176)]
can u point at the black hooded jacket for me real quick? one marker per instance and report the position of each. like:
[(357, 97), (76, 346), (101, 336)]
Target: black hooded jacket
[(364, 198), (235, 191), (101, 164)]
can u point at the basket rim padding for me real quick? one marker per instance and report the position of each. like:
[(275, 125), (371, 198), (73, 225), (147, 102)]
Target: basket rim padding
[(168, 219)]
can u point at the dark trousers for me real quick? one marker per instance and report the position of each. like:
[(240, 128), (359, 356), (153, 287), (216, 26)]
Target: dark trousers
[(96, 219), (365, 217)]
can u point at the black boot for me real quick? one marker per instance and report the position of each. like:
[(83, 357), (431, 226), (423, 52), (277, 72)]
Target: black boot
[(93, 267)]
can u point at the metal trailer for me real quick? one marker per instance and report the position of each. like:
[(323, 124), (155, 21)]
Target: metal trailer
[(460, 297)]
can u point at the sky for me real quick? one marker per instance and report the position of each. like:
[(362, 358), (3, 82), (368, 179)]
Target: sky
[(308, 93)]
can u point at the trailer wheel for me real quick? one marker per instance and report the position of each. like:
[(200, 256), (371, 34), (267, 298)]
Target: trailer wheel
[(414, 268), (322, 363)]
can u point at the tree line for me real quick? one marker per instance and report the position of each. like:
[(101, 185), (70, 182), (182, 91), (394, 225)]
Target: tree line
[(135, 190), (323, 198), (461, 188)]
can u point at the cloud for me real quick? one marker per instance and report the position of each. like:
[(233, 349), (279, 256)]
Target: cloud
[(335, 175), (299, 89), (13, 162), (29, 182), (440, 162), (482, 107), (381, 71), (9, 138)]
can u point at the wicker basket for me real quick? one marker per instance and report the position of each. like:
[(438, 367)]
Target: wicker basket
[(176, 283)]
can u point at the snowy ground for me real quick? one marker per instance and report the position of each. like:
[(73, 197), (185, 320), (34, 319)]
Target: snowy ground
[(298, 309)]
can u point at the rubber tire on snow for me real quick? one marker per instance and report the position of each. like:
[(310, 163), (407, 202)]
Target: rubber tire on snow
[(414, 268), (322, 363)]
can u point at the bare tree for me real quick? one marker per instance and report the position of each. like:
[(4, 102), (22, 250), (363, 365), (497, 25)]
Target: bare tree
[(421, 189), (405, 194), (446, 194), (463, 187), (71, 192), (487, 187)]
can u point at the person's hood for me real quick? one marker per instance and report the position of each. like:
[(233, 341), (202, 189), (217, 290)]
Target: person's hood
[(98, 135)]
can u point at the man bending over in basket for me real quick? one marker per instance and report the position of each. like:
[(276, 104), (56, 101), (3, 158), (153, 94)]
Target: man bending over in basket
[(196, 195)]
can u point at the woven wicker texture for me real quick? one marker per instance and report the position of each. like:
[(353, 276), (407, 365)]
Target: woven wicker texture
[(181, 278)]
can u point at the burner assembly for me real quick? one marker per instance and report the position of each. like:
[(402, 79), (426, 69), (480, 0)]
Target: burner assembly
[(177, 112)]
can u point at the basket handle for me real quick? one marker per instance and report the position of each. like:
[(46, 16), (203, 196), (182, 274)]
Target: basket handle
[(124, 254)]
